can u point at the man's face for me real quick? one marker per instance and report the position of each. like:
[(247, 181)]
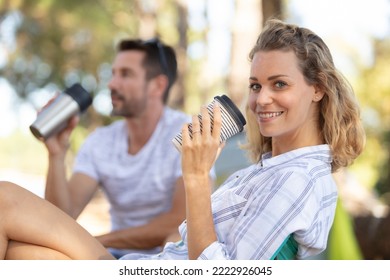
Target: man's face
[(128, 84)]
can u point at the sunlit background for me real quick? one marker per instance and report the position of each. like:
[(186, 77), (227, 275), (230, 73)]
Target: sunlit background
[(48, 45)]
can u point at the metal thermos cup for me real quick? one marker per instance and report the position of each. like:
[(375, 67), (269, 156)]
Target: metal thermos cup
[(54, 118)]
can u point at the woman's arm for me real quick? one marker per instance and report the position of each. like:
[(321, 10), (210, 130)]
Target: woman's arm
[(198, 156)]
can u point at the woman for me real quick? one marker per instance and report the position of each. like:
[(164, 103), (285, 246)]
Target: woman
[(303, 124)]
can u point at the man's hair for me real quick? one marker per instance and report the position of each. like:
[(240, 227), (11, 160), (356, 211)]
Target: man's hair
[(160, 59)]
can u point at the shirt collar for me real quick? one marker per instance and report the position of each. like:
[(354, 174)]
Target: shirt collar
[(320, 152)]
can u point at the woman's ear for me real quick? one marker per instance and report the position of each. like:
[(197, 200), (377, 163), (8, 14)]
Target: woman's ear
[(318, 94)]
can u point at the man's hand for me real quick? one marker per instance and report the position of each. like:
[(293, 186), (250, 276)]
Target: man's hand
[(58, 144)]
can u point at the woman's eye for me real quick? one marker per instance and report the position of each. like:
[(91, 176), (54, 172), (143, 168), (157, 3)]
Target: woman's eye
[(254, 87), (280, 84)]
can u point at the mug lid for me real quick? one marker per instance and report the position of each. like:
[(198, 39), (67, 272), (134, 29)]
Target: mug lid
[(234, 112), (80, 95)]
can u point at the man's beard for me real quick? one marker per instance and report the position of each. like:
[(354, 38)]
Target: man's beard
[(129, 109), (123, 112)]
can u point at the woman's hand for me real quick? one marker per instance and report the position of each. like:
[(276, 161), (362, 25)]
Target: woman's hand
[(200, 152)]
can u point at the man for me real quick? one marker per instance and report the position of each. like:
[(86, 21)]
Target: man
[(133, 159)]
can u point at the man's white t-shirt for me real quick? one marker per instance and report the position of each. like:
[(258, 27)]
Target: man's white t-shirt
[(138, 187)]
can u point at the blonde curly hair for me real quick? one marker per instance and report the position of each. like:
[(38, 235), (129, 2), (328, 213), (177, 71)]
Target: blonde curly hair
[(339, 119)]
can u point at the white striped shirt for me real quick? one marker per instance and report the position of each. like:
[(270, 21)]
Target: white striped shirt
[(258, 207)]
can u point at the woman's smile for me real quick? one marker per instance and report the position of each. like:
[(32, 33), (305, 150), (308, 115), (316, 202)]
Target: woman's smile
[(268, 116)]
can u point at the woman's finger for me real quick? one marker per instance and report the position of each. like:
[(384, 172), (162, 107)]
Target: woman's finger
[(196, 131), (185, 134), (206, 126), (217, 121)]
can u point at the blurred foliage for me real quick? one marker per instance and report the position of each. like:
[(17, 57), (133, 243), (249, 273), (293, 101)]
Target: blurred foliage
[(373, 89), (62, 42)]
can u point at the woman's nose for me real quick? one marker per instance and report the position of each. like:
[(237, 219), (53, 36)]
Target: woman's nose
[(264, 97)]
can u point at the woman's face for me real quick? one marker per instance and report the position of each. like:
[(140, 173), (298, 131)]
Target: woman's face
[(282, 101)]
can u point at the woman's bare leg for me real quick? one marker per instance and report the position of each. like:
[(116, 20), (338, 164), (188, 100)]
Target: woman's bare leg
[(22, 251), (29, 219)]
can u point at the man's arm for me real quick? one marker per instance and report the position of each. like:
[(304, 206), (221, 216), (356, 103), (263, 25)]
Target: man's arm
[(72, 196), (56, 183), (155, 232), (81, 190), (56, 190)]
